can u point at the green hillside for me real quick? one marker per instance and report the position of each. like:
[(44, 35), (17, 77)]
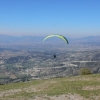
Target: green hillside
[(86, 87)]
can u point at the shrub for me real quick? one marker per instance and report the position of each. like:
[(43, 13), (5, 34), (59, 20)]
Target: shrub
[(85, 71)]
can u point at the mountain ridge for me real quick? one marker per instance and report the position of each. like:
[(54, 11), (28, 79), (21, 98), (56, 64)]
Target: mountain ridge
[(25, 38)]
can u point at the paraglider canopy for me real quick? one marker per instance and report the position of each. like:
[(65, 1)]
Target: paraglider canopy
[(57, 35)]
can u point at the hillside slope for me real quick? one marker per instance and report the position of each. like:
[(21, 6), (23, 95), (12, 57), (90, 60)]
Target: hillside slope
[(85, 87)]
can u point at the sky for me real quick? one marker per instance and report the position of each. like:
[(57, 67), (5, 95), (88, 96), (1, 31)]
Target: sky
[(72, 18)]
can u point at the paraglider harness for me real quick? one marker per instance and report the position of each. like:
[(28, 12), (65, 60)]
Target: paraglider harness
[(54, 56)]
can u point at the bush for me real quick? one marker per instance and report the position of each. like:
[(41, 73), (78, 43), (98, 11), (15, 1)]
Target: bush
[(85, 71)]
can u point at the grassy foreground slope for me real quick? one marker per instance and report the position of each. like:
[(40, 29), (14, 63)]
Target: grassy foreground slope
[(86, 87)]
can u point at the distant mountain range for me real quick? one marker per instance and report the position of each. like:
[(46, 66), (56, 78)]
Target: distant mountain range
[(10, 39), (37, 39)]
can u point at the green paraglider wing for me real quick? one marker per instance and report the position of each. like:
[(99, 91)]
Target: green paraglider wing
[(57, 35)]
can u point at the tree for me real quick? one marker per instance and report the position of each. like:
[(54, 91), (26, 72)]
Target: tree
[(85, 71)]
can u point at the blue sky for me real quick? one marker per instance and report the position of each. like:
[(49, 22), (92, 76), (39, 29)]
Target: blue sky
[(72, 18)]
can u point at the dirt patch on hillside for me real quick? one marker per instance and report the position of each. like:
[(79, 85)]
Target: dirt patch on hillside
[(67, 97), (58, 97), (91, 88), (9, 92), (61, 97)]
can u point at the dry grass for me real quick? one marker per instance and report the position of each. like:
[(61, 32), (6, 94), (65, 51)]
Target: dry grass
[(85, 87)]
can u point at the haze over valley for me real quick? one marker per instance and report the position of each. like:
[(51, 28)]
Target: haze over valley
[(23, 59)]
